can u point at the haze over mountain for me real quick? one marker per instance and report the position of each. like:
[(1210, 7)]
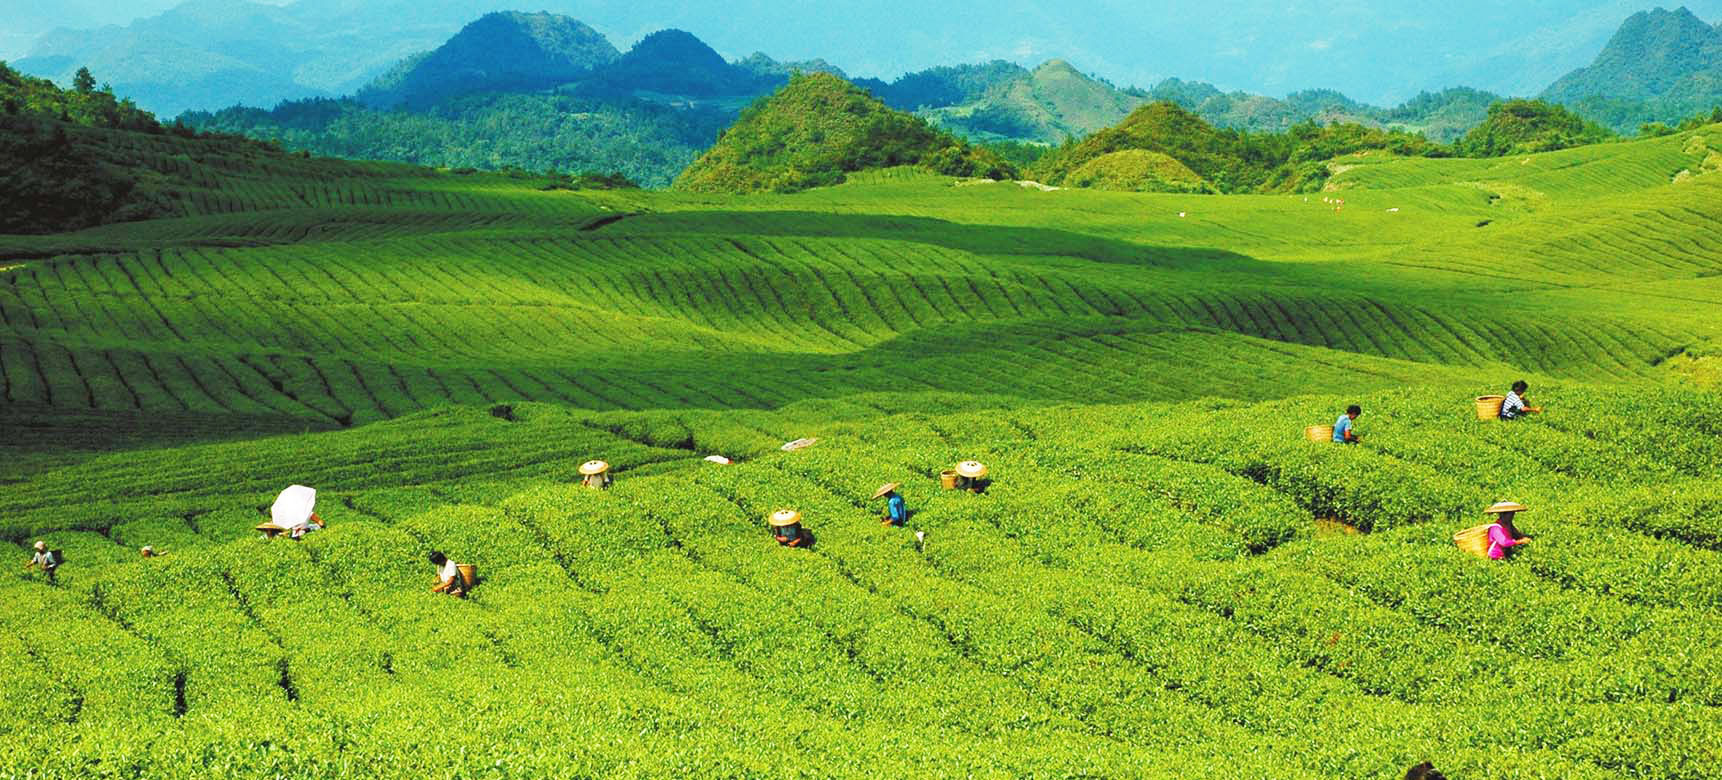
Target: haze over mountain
[(504, 51), (1375, 52), (1660, 66)]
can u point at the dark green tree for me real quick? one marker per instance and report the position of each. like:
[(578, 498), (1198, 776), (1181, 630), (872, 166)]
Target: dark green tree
[(84, 82)]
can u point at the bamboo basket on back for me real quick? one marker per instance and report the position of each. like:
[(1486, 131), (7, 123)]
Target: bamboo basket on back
[(1489, 406), (1318, 433), (1474, 540)]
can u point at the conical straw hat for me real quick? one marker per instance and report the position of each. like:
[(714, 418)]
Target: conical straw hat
[(783, 517), (594, 467), (886, 488), (972, 469), (1504, 506)]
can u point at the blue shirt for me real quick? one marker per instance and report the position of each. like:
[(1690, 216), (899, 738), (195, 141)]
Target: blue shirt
[(1341, 426), (899, 511)]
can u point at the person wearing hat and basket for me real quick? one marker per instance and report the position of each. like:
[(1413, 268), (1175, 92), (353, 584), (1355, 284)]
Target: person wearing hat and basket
[(1493, 539), (785, 525), (48, 559), (971, 476), (595, 474), (896, 511), (449, 578)]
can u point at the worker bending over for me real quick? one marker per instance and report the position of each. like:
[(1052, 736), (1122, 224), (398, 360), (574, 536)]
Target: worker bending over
[(48, 559), (785, 525), (972, 476), (1343, 432), (448, 579), (1502, 534), (595, 474), (896, 510), (1514, 407)]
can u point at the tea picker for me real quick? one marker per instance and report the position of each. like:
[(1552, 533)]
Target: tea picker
[(1492, 540), (292, 514), (970, 475), (1424, 771), (785, 526), (896, 511), (452, 578), (1513, 406), (49, 560), (595, 474), (1343, 432)]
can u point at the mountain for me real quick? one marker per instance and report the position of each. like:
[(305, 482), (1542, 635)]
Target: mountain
[(1661, 66), (1441, 116), (1052, 103), (763, 66), (505, 51), (530, 91), (213, 53), (237, 56), (1001, 100), (819, 128), (1055, 102), (944, 86), (674, 62)]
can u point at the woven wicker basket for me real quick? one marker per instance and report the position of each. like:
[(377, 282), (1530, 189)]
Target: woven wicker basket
[(1474, 540), (468, 574), (1489, 406), (1318, 433)]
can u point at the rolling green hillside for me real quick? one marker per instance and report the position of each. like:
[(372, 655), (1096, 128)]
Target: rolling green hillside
[(1163, 580)]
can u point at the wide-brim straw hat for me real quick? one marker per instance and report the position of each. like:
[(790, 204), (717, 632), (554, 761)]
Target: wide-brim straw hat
[(973, 469), (886, 488), (783, 517), (1504, 506), (41, 545), (592, 467)]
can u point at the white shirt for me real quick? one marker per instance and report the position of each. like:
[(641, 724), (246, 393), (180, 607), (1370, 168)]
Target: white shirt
[(1513, 406), (449, 571)]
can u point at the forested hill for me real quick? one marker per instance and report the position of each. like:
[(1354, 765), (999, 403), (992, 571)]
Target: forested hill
[(1661, 66), (80, 157), (819, 128), (57, 171), (1134, 155)]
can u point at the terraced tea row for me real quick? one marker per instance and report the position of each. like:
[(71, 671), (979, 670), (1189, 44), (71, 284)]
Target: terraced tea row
[(1313, 652)]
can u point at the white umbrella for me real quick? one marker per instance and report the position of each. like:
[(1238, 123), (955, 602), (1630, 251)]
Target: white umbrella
[(292, 508)]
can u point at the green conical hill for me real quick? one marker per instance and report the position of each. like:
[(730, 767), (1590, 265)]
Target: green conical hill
[(819, 128), (1161, 127), (1137, 170)]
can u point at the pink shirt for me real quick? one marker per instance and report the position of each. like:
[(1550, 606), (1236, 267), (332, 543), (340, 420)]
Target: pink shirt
[(1499, 541)]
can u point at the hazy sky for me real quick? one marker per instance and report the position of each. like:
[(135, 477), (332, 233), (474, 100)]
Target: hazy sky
[(1371, 49)]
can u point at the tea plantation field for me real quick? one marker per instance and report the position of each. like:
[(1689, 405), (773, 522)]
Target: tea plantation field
[(1163, 580)]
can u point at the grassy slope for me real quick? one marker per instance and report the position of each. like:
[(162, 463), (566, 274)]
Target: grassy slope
[(1070, 339)]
